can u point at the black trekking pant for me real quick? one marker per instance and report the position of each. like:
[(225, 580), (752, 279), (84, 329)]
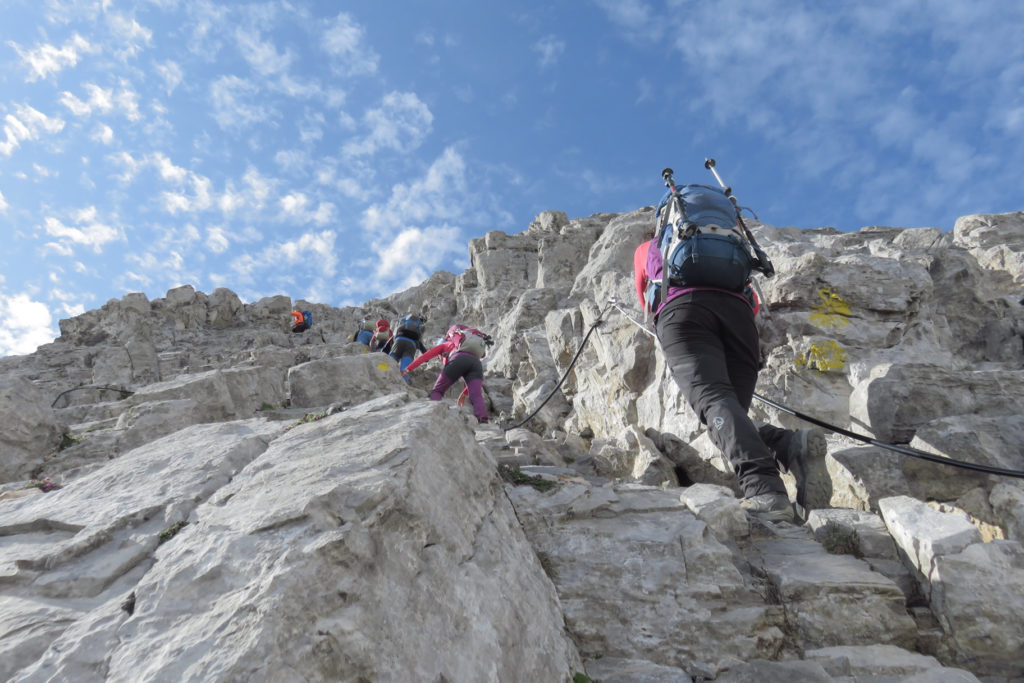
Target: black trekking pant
[(711, 346)]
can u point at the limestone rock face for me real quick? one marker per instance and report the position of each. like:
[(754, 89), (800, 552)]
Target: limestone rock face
[(189, 490), (30, 428), (995, 240)]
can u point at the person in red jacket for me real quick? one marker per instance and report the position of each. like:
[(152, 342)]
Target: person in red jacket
[(461, 361), (381, 335)]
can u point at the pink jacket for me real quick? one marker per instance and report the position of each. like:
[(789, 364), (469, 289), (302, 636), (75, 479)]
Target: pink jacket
[(442, 349)]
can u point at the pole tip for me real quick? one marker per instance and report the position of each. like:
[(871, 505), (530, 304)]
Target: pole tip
[(666, 173), (709, 162)]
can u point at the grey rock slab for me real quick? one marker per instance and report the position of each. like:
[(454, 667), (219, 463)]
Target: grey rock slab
[(978, 597), (882, 663), (27, 627), (923, 533), (622, 670), (995, 239), (863, 532), (345, 531), (30, 428), (347, 380), (717, 507), (764, 671), (832, 599), (640, 577), (81, 537)]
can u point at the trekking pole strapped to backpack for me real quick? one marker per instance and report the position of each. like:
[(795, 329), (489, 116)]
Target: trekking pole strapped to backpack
[(700, 242), (675, 207), (765, 264)]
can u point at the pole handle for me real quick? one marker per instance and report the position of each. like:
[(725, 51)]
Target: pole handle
[(670, 182)]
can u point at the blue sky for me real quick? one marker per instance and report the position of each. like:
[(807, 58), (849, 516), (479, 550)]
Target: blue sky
[(340, 151)]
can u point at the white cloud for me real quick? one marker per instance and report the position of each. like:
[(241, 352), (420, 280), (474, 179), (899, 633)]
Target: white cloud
[(324, 214), (25, 324), (171, 74), (3, 207), (104, 134), (46, 59), (1011, 120), (26, 124), (634, 16), (77, 106), (72, 310), (253, 196), (89, 231), (416, 252), (320, 245), (127, 100), (440, 194), (58, 248), (293, 159), (312, 251), (400, 123), (261, 54), (131, 165), (134, 36), (168, 171), (230, 201), (141, 279), (99, 99), (235, 105), (217, 240), (259, 187), (424, 215), (175, 202), (311, 128), (343, 41), (549, 48), (294, 204)]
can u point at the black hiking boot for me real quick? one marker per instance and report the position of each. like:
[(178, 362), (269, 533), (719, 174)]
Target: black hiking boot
[(769, 507)]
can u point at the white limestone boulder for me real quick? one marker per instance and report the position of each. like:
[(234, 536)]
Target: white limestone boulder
[(314, 556), (30, 428), (996, 240), (346, 381)]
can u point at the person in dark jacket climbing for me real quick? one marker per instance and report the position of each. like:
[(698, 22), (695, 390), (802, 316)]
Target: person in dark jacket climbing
[(406, 340), (711, 345), (460, 351)]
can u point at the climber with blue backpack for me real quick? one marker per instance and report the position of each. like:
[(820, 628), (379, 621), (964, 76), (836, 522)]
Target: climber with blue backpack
[(301, 321), (460, 351), (696, 281), (407, 339), (364, 335)]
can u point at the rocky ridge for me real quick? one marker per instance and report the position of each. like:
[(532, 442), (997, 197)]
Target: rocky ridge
[(239, 502)]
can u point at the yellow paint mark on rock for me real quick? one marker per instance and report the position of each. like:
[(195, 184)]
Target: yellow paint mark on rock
[(383, 366), (833, 311), (824, 357)]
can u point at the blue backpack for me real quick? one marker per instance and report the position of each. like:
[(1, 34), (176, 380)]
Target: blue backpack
[(307, 317), (411, 324), (700, 241)]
